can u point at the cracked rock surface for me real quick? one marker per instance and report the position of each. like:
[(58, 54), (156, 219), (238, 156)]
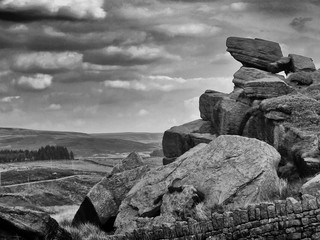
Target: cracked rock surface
[(231, 170)]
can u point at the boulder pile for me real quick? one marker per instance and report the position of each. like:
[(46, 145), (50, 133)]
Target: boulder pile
[(231, 156), (280, 110)]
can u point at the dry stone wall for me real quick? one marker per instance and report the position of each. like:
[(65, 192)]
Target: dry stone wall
[(282, 219)]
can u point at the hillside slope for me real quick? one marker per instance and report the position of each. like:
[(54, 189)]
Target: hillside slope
[(82, 144)]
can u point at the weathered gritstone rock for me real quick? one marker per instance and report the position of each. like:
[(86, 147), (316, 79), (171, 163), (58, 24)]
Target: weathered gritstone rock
[(207, 102), (133, 160), (246, 74), (312, 187), (21, 223), (257, 53), (227, 116), (290, 123), (301, 63), (282, 219), (177, 140), (283, 64), (251, 163), (101, 204), (266, 88)]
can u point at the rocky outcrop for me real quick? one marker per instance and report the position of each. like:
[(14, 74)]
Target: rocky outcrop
[(21, 223), (177, 140), (257, 53), (133, 160), (251, 163), (101, 204)]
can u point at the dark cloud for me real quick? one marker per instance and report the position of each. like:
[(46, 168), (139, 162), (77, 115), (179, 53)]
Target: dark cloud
[(28, 11), (30, 16), (299, 23)]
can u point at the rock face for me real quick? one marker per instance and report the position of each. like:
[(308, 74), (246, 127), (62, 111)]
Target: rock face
[(20, 223), (251, 163), (133, 160), (101, 204), (301, 63), (257, 53), (177, 140)]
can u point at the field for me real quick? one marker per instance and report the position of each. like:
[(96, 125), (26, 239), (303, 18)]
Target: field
[(56, 187)]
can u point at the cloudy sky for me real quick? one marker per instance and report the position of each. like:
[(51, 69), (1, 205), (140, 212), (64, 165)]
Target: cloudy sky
[(132, 65)]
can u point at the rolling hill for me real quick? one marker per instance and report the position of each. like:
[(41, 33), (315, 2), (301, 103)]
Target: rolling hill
[(82, 144)]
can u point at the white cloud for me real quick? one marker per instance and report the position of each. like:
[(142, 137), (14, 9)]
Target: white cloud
[(190, 29), (221, 58), (9, 99), (143, 112), (34, 82), (144, 52), (136, 85), (166, 79), (238, 6), (129, 11), (54, 107), (47, 61), (79, 9)]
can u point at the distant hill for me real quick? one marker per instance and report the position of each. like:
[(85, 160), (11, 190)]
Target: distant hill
[(82, 144)]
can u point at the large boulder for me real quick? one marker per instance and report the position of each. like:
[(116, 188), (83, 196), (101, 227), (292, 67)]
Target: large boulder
[(256, 53), (25, 224), (246, 74), (207, 102), (101, 204), (301, 63), (133, 160), (266, 88), (179, 139), (231, 170)]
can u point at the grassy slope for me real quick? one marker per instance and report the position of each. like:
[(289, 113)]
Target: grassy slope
[(81, 144)]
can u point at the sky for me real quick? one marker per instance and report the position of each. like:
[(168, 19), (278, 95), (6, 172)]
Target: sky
[(132, 65)]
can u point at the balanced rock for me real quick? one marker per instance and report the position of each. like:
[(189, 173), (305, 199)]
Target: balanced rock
[(179, 139), (301, 63), (246, 74), (101, 204), (251, 163), (207, 101), (266, 88), (256, 53), (133, 160), (21, 223)]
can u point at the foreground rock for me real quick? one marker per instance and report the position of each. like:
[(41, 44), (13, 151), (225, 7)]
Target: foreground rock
[(230, 170), (257, 53), (20, 223), (177, 140), (101, 204)]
